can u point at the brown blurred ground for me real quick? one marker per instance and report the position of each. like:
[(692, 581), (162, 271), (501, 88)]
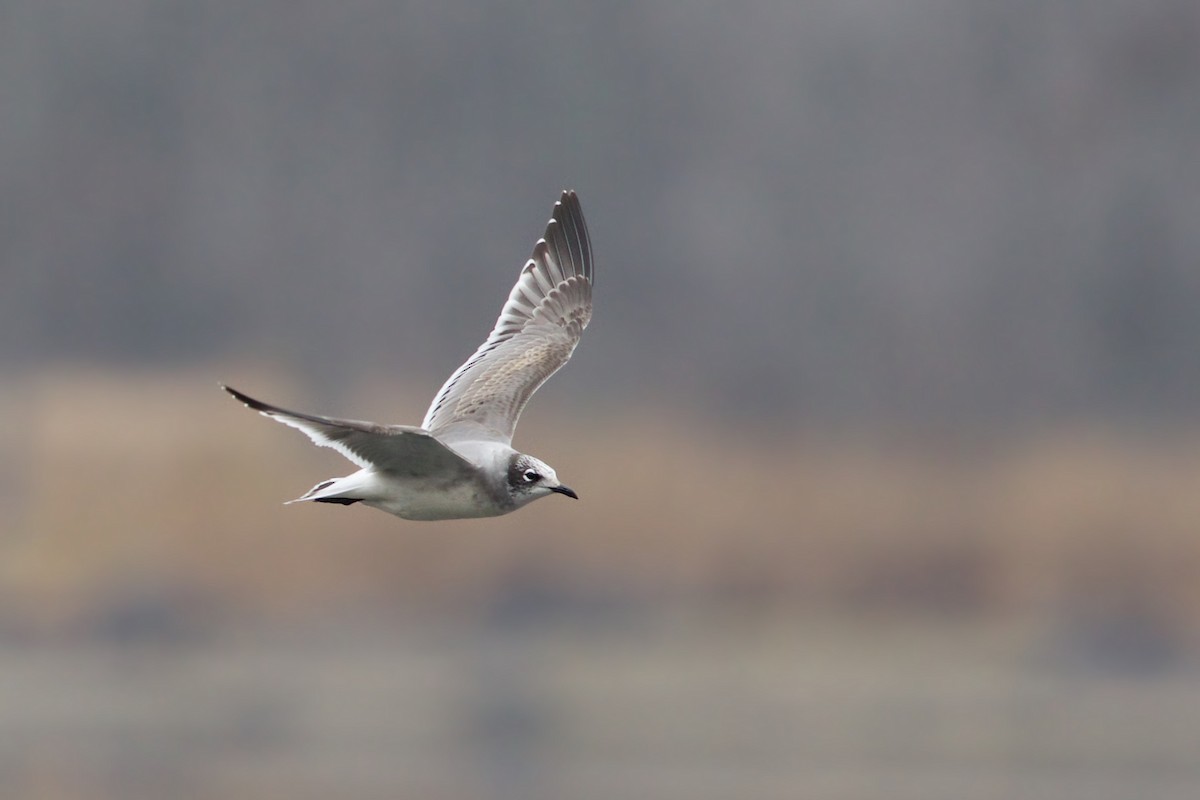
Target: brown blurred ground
[(769, 614), (158, 482)]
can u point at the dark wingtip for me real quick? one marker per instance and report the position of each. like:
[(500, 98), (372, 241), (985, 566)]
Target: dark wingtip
[(572, 238), (245, 399)]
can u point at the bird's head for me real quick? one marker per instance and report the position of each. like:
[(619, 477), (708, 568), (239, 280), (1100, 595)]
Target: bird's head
[(530, 478)]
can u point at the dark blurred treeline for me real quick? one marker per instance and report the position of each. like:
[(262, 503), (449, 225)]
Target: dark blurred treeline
[(900, 210)]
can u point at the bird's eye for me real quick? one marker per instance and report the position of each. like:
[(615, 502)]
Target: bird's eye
[(531, 476)]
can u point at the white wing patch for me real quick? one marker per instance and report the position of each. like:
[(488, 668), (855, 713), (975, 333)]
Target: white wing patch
[(317, 436)]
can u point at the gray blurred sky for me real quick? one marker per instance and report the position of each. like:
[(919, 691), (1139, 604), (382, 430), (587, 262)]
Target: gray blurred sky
[(896, 209)]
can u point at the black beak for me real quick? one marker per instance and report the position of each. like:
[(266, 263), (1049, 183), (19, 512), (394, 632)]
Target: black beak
[(567, 490)]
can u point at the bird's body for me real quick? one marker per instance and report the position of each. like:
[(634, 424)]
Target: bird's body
[(460, 463), (419, 497)]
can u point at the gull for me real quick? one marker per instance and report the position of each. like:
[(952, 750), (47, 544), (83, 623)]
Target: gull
[(460, 462)]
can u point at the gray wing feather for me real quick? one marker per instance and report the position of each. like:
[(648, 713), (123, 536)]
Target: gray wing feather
[(536, 333), (394, 448)]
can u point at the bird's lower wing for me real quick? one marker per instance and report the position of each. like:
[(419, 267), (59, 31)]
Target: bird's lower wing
[(394, 448)]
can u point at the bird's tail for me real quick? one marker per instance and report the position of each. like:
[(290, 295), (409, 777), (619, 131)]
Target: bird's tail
[(344, 491)]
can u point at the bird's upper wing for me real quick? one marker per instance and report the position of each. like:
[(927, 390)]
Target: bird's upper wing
[(536, 333), (394, 448)]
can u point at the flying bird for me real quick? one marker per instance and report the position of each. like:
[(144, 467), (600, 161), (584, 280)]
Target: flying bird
[(460, 462)]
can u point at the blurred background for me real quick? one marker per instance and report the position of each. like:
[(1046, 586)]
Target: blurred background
[(886, 428)]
